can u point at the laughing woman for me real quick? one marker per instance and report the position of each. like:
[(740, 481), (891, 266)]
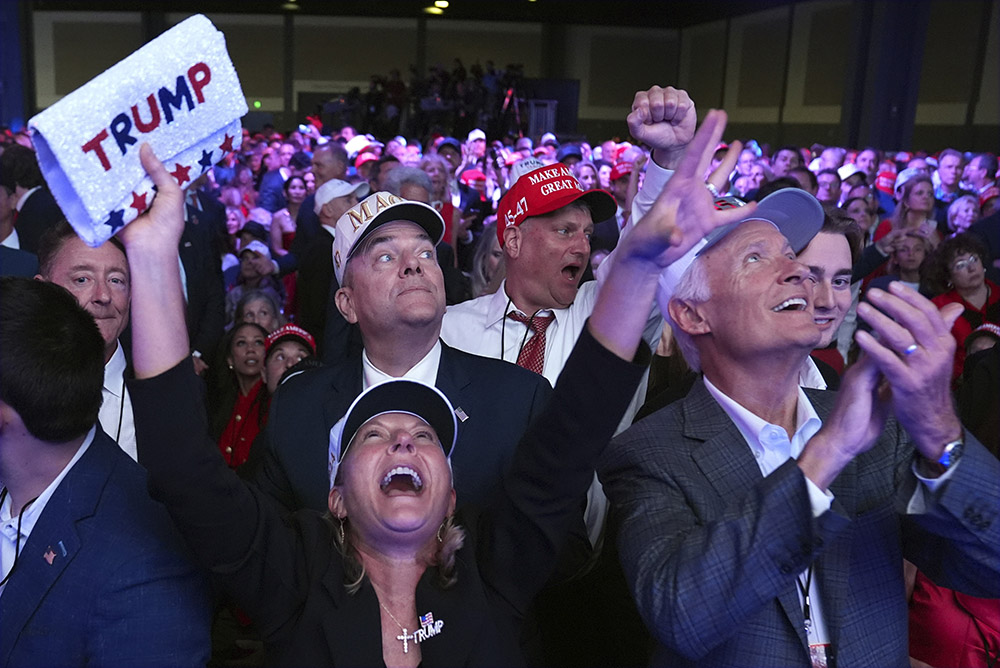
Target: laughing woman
[(393, 574)]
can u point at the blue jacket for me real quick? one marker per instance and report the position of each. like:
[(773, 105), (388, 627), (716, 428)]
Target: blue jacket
[(120, 589)]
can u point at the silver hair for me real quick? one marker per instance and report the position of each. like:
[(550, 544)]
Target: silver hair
[(400, 176), (691, 287)]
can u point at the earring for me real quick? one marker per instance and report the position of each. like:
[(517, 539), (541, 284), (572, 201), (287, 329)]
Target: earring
[(444, 525), (342, 536)]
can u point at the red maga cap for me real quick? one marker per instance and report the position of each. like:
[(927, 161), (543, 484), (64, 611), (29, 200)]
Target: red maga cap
[(621, 170), (545, 189), (885, 181)]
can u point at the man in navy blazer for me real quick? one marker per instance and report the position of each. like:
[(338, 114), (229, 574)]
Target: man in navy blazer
[(36, 209), (93, 570), (392, 287), (765, 525)]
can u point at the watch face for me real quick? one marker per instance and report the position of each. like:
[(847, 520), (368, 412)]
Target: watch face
[(952, 453)]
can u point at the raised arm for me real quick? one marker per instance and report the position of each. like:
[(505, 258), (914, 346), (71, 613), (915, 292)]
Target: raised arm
[(159, 335), (681, 216), (228, 526)]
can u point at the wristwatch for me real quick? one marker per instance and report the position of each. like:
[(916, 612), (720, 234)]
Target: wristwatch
[(952, 453)]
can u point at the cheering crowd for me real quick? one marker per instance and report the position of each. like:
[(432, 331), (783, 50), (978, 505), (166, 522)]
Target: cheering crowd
[(434, 402)]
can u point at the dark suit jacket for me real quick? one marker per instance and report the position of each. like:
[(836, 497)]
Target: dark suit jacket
[(315, 284), (39, 213), (711, 549), (206, 305), (120, 589), (499, 399), (272, 195), (14, 262), (287, 574)]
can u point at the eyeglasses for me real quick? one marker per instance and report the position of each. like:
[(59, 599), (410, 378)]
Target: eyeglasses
[(966, 263)]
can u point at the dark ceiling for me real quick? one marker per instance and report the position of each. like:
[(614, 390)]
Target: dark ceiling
[(649, 13)]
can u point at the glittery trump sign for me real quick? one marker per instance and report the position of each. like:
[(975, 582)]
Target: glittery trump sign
[(179, 92)]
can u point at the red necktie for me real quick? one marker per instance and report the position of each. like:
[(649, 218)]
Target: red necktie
[(532, 355)]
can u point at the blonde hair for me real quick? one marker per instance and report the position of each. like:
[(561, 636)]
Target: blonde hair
[(451, 538)]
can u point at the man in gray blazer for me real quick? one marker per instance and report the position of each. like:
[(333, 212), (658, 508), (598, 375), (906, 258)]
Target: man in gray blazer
[(766, 525)]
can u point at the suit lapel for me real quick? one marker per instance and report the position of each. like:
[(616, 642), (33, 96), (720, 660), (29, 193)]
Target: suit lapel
[(54, 542), (452, 379), (346, 382), (725, 460), (723, 456)]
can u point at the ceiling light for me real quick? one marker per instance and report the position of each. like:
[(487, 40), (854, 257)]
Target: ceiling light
[(441, 4), (433, 10)]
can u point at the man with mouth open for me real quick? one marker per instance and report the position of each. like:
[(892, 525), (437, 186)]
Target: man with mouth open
[(765, 524), (544, 223)]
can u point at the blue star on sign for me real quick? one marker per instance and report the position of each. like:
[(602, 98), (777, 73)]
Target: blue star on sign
[(206, 161), (116, 220)]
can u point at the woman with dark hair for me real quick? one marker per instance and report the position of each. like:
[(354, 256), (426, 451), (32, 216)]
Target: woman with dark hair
[(239, 406), (959, 268), (283, 222), (283, 233)]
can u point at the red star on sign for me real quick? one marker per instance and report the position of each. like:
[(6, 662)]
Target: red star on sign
[(181, 173), (227, 144), (139, 203)]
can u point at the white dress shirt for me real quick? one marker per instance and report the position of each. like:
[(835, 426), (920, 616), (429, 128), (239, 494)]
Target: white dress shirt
[(116, 416), (424, 371), (9, 519)]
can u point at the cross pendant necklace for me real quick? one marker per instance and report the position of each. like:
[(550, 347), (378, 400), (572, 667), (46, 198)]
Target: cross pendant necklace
[(406, 637)]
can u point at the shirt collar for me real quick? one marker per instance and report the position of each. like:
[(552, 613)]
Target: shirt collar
[(34, 511), (757, 430), (24, 198), (810, 375), (500, 304), (12, 240), (331, 230), (114, 372), (425, 370)]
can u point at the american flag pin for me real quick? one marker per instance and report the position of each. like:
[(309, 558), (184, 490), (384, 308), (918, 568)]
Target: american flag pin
[(462, 416), (427, 620), (49, 555)]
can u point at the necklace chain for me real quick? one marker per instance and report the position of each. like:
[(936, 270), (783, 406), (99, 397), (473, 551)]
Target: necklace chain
[(392, 616)]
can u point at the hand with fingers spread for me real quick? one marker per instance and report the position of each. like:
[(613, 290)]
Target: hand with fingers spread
[(913, 347), (685, 211), (664, 119)]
